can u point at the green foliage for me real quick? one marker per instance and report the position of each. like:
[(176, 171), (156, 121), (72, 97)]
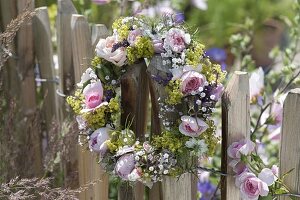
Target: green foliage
[(171, 141), (143, 48)]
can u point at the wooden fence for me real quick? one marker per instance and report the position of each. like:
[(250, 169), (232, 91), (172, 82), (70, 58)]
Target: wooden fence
[(76, 40)]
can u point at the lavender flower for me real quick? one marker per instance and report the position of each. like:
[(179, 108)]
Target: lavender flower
[(217, 55), (207, 190)]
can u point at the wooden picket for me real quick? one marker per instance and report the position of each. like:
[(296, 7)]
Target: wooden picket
[(235, 126), (290, 137)]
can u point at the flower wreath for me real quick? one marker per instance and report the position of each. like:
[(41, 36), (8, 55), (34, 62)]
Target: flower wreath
[(193, 82)]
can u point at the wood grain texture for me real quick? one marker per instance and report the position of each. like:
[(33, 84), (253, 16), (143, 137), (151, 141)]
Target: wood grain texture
[(235, 126), (134, 101), (170, 188), (290, 137), (44, 57), (89, 169), (98, 31), (65, 9)]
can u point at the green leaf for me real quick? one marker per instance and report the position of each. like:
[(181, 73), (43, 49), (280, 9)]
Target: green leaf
[(269, 197)]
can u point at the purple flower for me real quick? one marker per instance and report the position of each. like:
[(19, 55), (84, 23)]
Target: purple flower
[(158, 46), (217, 92), (217, 55), (179, 18), (207, 190), (101, 2), (242, 147), (125, 165), (97, 140)]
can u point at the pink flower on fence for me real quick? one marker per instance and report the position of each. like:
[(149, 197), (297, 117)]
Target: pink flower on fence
[(97, 140), (191, 126), (243, 147), (104, 49), (238, 166), (176, 40), (93, 94), (267, 176), (192, 82), (125, 165), (250, 186)]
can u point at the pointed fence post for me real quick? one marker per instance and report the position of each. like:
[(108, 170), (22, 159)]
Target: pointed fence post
[(235, 126), (44, 56), (89, 169), (134, 101), (65, 9), (183, 188), (290, 137)]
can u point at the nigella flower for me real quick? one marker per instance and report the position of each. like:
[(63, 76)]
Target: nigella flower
[(207, 190), (217, 55)]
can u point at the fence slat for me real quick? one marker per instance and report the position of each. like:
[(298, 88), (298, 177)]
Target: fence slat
[(170, 188), (44, 55), (65, 9), (88, 168), (98, 31), (235, 126), (134, 100), (290, 137)]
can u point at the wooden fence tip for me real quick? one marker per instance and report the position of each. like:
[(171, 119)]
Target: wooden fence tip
[(66, 7)]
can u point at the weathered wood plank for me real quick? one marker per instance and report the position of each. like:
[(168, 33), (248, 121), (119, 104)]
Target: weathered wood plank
[(171, 188), (290, 137), (65, 9), (88, 168), (44, 57), (134, 100), (235, 126), (98, 31)]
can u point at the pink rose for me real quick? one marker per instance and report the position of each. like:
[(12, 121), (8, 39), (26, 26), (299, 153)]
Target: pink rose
[(93, 94), (125, 165), (104, 49), (191, 126), (250, 186), (97, 140), (133, 35), (191, 82), (177, 40), (267, 176), (158, 46), (238, 166), (243, 147)]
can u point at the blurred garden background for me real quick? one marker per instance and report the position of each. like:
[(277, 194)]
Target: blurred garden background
[(242, 35)]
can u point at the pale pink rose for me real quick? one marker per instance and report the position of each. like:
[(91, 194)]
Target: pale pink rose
[(93, 94), (238, 166), (275, 170), (250, 186), (243, 147), (177, 40), (158, 46), (267, 176), (191, 82), (133, 35), (104, 49), (125, 165), (97, 140), (191, 126)]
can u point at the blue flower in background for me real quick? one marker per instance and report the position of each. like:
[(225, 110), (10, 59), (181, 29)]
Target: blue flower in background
[(217, 55), (207, 190), (179, 18)]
